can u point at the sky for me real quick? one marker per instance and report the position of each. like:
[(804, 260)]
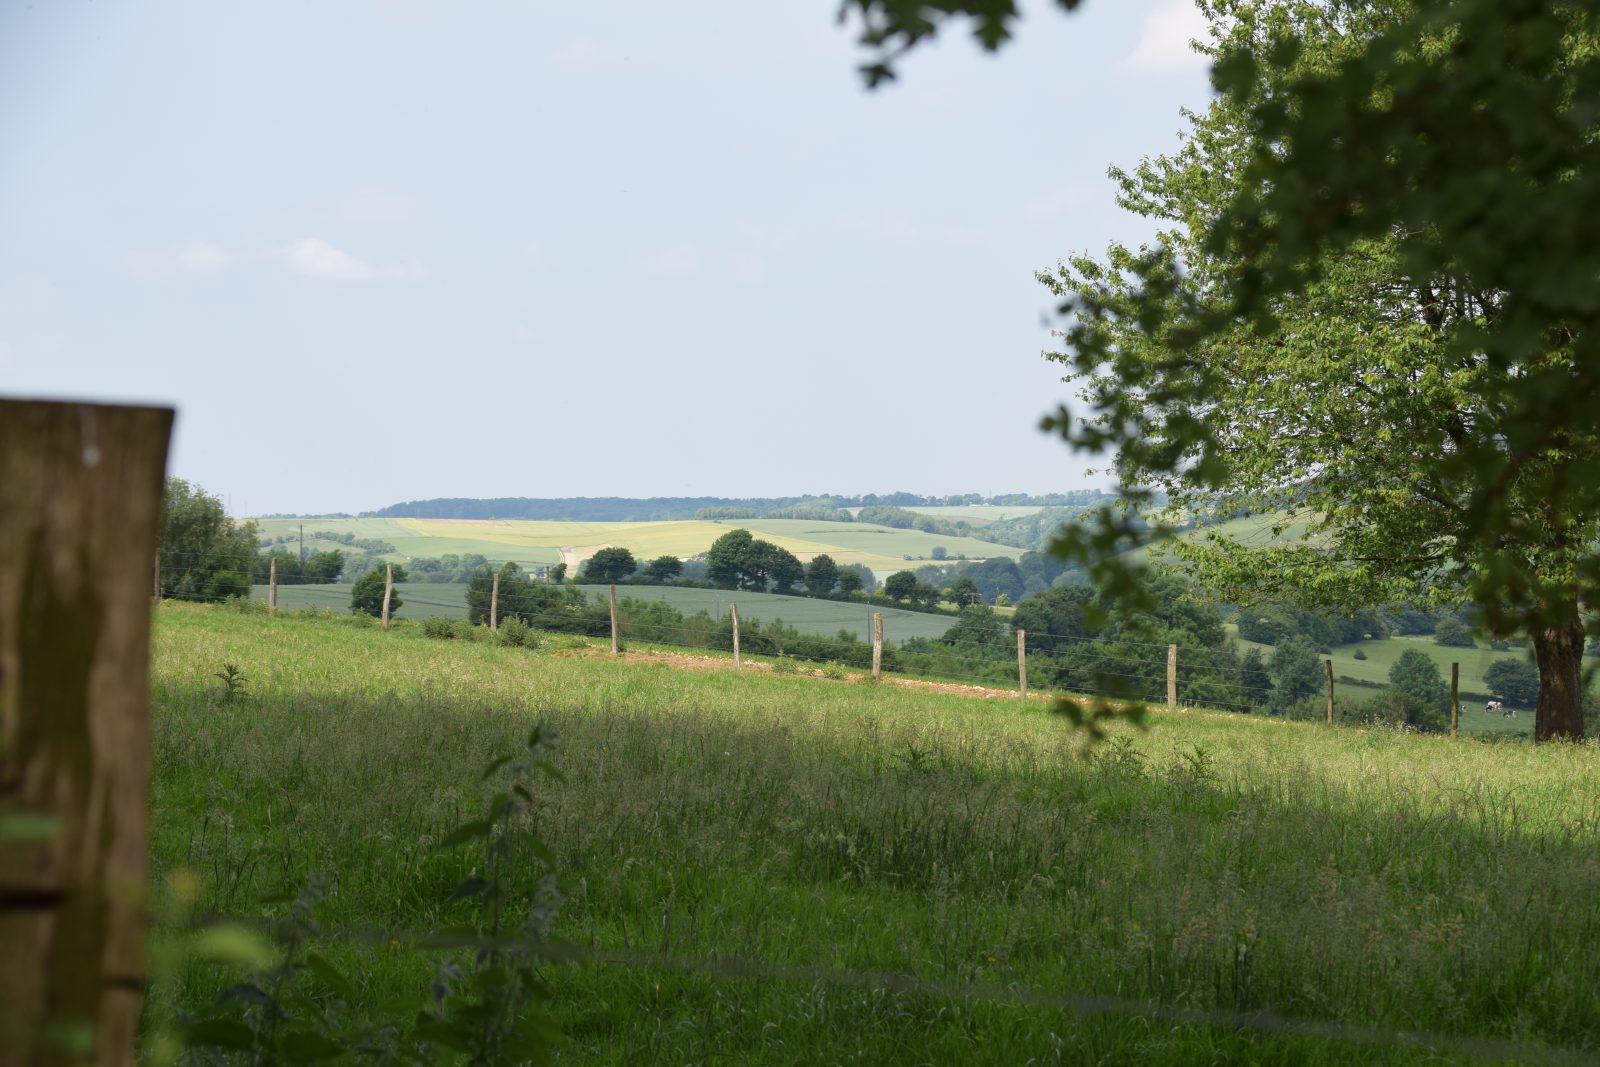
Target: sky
[(385, 250)]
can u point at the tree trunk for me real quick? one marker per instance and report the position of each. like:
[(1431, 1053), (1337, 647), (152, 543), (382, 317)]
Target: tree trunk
[(1558, 647), (80, 502)]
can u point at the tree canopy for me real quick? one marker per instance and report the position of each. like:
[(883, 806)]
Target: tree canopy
[(204, 554), (1417, 168)]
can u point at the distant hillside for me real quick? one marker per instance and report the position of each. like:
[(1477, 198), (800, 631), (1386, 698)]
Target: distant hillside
[(655, 509)]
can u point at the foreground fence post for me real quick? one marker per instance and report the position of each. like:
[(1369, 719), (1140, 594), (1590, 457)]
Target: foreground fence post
[(494, 602), (613, 620), (272, 585), (388, 591), (80, 508), (155, 587), (877, 645), (1172, 677), (1328, 663), (1455, 698), (1022, 664), (733, 613)]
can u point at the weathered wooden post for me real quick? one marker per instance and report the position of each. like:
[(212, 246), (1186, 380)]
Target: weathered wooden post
[(1455, 698), (614, 620), (1022, 664), (1328, 663), (494, 602), (733, 614), (272, 585), (1172, 677), (877, 646), (388, 591), (80, 512)]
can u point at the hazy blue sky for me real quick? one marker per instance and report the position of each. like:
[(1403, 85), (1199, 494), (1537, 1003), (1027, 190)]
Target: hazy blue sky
[(377, 250)]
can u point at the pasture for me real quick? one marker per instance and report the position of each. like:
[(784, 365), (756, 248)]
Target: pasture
[(760, 867), (1381, 655), (810, 616)]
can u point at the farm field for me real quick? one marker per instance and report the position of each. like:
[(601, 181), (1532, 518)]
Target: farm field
[(825, 617), (881, 548), (757, 867), (976, 514)]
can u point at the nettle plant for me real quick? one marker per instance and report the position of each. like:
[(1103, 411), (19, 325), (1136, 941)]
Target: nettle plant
[(487, 1003)]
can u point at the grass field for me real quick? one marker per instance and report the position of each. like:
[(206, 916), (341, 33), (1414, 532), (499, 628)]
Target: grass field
[(880, 548), (419, 600), (781, 869)]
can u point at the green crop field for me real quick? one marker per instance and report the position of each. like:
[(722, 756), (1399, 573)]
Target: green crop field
[(976, 514), (761, 867), (880, 548), (419, 600)]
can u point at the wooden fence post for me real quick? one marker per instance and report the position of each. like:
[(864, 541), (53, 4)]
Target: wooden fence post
[(388, 591), (1172, 677), (733, 614), (272, 585), (614, 620), (80, 508), (877, 646), (1328, 663), (1455, 698), (1022, 664), (494, 603), (155, 587)]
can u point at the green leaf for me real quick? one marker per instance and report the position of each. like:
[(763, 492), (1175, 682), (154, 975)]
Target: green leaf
[(467, 831), (329, 975), (218, 1033), (230, 943), (488, 772), (308, 1046)]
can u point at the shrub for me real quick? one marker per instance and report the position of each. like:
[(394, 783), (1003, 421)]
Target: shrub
[(1453, 633), (1360, 654), (439, 627), (514, 633)]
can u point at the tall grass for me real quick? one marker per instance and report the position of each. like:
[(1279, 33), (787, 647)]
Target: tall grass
[(804, 827)]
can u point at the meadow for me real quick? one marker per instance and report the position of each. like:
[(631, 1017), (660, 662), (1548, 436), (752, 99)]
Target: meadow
[(881, 548), (419, 600), (781, 868)]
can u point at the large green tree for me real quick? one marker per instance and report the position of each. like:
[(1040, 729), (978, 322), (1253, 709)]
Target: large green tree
[(366, 595), (204, 554), (1334, 404), (822, 574), (609, 565), (1453, 141)]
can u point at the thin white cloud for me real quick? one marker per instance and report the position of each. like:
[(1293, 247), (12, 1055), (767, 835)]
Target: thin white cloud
[(201, 255), (316, 258), (1163, 46)]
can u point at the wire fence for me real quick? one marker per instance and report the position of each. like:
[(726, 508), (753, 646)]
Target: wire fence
[(822, 634)]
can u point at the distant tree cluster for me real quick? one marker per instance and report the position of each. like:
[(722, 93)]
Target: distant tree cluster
[(317, 568), (739, 560)]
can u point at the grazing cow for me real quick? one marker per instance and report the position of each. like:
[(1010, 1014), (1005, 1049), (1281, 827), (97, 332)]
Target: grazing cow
[(1495, 705)]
